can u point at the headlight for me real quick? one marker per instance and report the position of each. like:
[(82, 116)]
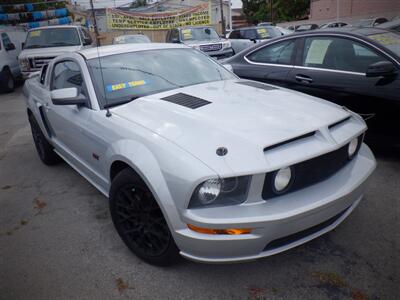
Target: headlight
[(226, 45), (24, 64), (209, 191), (282, 179), (220, 192), (353, 147)]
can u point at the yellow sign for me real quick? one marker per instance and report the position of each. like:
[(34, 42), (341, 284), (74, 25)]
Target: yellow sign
[(197, 15), (263, 33)]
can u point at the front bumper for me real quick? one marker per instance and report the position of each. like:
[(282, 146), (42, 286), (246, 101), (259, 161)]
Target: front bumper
[(280, 223), (221, 54)]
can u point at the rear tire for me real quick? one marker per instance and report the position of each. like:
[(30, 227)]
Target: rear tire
[(139, 220), (43, 147), (7, 81)]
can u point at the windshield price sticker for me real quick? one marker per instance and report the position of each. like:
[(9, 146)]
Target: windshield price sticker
[(125, 85), (35, 33), (386, 38), (187, 33), (263, 32)]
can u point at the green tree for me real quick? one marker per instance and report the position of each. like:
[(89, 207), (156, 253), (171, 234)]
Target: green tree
[(282, 10)]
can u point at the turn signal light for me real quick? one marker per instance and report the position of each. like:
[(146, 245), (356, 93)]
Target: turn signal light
[(230, 231)]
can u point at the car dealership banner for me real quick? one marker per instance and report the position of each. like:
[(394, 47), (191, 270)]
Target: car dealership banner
[(192, 16)]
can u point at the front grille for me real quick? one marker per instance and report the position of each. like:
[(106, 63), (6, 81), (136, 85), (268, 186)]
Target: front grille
[(38, 62), (289, 239), (211, 47), (311, 171)]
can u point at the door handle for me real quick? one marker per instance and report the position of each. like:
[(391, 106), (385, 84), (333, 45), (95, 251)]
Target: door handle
[(304, 78)]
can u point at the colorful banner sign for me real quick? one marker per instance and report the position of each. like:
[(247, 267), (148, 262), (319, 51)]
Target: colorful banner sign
[(197, 15)]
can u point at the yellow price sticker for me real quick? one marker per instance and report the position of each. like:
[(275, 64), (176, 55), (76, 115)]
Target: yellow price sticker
[(35, 33)]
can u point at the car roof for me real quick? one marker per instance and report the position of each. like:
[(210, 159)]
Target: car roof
[(390, 24), (103, 51), (254, 27), (55, 26), (189, 27), (351, 31)]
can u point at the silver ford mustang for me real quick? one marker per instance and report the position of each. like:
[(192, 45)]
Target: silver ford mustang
[(194, 160)]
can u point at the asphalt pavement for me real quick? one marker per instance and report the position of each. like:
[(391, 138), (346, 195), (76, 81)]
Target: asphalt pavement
[(57, 241)]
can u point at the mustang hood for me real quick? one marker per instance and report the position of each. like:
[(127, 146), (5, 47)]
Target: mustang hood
[(242, 118)]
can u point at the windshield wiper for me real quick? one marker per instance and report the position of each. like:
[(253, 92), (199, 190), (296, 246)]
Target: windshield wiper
[(33, 46), (120, 102)]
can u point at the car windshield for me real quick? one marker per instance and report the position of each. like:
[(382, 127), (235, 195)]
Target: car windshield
[(390, 40), (131, 39), (198, 34), (364, 23), (52, 37), (121, 78)]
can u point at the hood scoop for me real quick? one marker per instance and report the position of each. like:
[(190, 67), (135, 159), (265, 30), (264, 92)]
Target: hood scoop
[(258, 85), (186, 100)]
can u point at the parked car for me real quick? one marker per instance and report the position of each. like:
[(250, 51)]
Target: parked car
[(131, 39), (333, 25), (45, 43), (370, 22), (262, 24), (284, 31), (194, 160), (10, 46), (355, 67), (306, 27), (391, 25), (203, 38), (243, 38), (292, 27)]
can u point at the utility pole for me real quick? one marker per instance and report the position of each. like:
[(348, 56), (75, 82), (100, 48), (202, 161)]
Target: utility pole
[(96, 31), (337, 10), (230, 15), (222, 17), (270, 8)]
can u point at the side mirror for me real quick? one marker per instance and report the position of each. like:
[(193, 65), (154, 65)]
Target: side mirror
[(176, 41), (253, 40), (67, 96), (381, 68), (9, 47), (87, 42)]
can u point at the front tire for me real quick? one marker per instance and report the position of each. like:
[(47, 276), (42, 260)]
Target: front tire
[(43, 147), (139, 220), (7, 82)]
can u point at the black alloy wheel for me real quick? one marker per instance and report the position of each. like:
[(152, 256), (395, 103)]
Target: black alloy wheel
[(140, 221)]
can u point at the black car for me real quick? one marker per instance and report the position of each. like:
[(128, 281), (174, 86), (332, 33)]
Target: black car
[(354, 67)]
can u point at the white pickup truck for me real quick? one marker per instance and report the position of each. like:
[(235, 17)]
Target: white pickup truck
[(45, 43), (10, 46)]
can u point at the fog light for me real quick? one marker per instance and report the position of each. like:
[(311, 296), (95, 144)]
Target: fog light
[(352, 147), (209, 190), (230, 231), (282, 179)]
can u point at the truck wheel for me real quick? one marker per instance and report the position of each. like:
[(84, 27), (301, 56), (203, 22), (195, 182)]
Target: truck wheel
[(43, 147), (7, 82), (139, 220)]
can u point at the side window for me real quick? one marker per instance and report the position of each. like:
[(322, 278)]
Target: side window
[(174, 35), (6, 40), (338, 54), (249, 34), (85, 36), (234, 34), (279, 53), (67, 74), (43, 74)]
